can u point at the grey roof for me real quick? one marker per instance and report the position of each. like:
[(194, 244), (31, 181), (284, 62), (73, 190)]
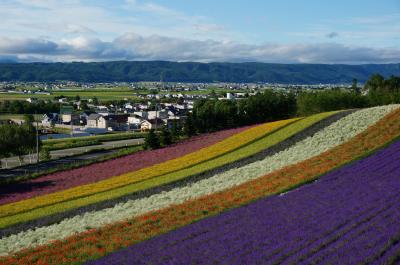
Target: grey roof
[(94, 116)]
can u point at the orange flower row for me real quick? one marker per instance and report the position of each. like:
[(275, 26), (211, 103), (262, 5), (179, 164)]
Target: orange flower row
[(98, 242)]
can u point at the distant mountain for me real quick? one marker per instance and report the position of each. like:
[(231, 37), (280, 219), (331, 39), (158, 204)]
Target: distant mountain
[(193, 72)]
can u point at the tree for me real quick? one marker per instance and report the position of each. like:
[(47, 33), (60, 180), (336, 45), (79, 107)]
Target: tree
[(213, 95), (77, 98), (375, 83), (188, 128), (151, 140), (95, 101), (354, 86), (166, 137)]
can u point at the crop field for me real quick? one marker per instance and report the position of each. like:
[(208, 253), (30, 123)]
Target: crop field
[(310, 190), (103, 94)]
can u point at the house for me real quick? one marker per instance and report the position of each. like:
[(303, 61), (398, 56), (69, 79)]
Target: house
[(67, 115), (96, 120), (162, 114), (151, 124), (134, 121), (110, 122), (83, 117), (117, 121), (49, 119)]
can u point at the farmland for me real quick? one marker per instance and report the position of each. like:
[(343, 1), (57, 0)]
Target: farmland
[(186, 202), (105, 94)]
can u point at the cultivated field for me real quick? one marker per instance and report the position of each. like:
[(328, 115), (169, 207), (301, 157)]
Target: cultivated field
[(231, 197)]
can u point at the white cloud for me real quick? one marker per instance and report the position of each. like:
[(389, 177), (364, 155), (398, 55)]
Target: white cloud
[(132, 46)]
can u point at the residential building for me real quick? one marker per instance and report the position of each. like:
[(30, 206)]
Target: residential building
[(151, 124)]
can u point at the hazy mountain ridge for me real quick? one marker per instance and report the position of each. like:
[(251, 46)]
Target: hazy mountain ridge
[(193, 72)]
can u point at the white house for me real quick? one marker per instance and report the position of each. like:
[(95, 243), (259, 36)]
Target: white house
[(151, 124), (49, 119), (134, 121), (96, 120)]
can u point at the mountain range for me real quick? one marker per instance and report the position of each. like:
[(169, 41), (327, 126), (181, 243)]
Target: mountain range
[(131, 71)]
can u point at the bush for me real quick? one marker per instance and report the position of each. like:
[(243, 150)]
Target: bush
[(45, 154)]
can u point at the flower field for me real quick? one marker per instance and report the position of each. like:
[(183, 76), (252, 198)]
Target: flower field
[(132, 207), (145, 173), (99, 171), (345, 218), (76, 225)]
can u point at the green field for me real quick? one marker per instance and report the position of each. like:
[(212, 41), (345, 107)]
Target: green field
[(104, 94)]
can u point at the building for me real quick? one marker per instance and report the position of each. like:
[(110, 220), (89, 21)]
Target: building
[(49, 119), (67, 115), (96, 120), (110, 122), (134, 121), (151, 124)]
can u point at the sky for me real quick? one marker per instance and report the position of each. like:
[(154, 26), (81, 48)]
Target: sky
[(284, 31)]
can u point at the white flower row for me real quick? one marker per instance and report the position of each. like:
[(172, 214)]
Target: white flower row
[(331, 136)]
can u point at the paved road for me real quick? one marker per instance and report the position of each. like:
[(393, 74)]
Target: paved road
[(61, 154)]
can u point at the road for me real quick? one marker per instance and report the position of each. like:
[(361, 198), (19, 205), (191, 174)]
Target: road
[(14, 162)]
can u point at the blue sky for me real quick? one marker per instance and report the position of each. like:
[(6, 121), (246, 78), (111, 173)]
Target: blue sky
[(283, 31)]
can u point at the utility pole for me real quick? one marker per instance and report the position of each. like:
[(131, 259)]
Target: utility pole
[(37, 140), (156, 115)]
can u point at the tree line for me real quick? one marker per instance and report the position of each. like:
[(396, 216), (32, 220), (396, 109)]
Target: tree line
[(210, 115), (24, 107), (18, 140), (377, 91)]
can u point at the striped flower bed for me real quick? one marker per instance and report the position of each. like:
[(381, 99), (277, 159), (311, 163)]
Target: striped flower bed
[(61, 208), (217, 149), (160, 199), (96, 243), (350, 216), (103, 170)]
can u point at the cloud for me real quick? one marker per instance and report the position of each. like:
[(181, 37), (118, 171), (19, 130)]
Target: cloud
[(26, 46), (131, 46), (332, 35)]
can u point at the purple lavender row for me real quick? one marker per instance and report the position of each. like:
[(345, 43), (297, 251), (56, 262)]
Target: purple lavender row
[(350, 215)]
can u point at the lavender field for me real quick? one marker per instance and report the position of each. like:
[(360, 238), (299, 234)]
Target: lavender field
[(349, 216)]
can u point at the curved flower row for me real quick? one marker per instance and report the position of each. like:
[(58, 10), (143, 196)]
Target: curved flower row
[(350, 209), (99, 171), (219, 182), (219, 148), (243, 152), (97, 243)]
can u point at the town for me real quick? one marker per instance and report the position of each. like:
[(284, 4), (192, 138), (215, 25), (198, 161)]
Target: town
[(138, 106)]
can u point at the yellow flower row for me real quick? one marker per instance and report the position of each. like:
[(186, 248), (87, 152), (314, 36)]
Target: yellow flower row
[(188, 160)]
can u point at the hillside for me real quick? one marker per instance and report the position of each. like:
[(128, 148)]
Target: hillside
[(200, 191), (193, 72)]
